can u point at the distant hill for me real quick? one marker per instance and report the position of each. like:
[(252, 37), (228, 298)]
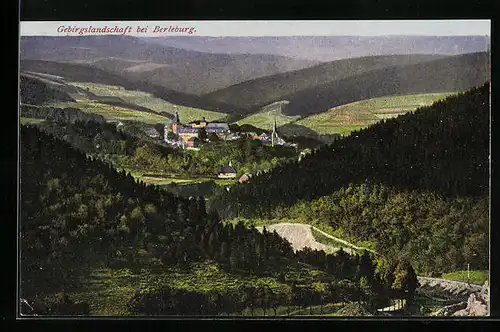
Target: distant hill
[(35, 90), (317, 89), (173, 68), (85, 73), (257, 93), (455, 73), (330, 48)]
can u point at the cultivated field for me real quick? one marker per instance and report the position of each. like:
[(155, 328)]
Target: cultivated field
[(147, 100), (265, 120), (347, 118), (114, 112)]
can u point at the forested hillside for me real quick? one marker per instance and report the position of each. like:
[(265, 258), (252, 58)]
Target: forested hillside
[(441, 148), (265, 90), (422, 175), (456, 73), (319, 88), (78, 214), (436, 233), (34, 91)]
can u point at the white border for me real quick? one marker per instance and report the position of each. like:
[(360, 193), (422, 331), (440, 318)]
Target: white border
[(272, 28)]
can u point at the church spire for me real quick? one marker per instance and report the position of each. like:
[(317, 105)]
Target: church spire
[(274, 134)]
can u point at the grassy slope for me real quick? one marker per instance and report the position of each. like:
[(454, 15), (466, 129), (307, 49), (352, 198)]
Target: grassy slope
[(346, 118), (25, 121), (114, 112), (265, 120), (477, 277), (74, 72), (108, 290), (145, 99)]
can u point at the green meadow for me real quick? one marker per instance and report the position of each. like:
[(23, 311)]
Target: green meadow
[(265, 120), (25, 121), (477, 277), (354, 116), (110, 112), (147, 100)]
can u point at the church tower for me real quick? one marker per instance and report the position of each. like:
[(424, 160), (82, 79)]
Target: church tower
[(274, 134), (175, 122)]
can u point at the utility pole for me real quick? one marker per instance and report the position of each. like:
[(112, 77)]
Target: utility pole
[(468, 268)]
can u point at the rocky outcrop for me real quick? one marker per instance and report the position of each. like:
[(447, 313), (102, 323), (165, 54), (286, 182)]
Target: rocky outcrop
[(484, 293), (476, 304), (475, 307)]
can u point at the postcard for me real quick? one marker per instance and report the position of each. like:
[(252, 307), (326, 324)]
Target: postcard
[(254, 169)]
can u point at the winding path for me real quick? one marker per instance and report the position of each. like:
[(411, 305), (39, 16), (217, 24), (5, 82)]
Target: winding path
[(300, 236)]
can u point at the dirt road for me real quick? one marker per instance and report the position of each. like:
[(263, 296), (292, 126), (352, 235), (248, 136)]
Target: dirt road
[(300, 236)]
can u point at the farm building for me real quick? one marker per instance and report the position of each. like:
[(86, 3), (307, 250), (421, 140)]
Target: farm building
[(193, 142), (244, 178), (227, 172)]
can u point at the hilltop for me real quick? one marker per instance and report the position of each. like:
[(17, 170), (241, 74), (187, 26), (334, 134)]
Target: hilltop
[(35, 90), (330, 48), (171, 68), (263, 91), (455, 73), (85, 73), (317, 89)]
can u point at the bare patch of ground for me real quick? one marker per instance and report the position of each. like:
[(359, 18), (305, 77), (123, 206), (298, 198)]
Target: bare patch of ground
[(300, 236)]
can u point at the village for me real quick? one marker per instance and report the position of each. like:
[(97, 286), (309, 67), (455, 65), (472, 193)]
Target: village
[(192, 136)]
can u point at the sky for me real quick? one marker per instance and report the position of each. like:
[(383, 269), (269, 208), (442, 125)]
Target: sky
[(264, 28)]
